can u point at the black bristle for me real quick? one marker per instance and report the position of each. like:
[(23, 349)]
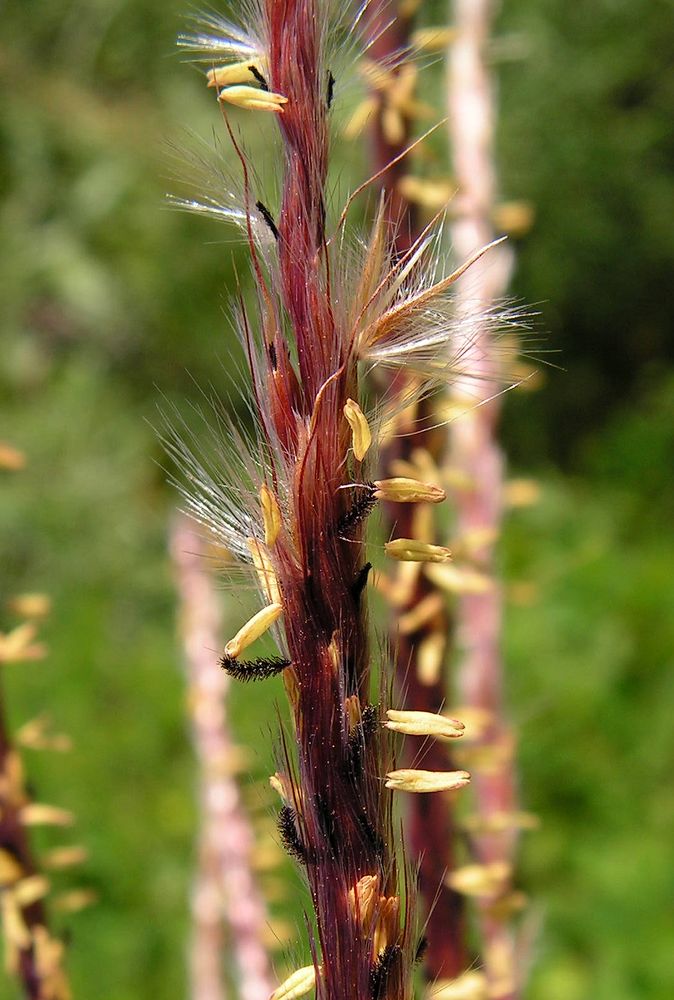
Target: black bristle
[(268, 217), (254, 670), (331, 90), (359, 737), (381, 970), (358, 511), (373, 839), (360, 583), (327, 820), (290, 838), (258, 76), (422, 948)]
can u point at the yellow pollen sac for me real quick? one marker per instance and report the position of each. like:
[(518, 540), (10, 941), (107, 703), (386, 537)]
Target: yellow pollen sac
[(480, 880), (265, 570), (297, 985), (271, 515), (360, 429), (410, 550), (238, 72), (424, 724), (363, 900), (410, 780), (403, 490), (253, 629), (253, 99), (472, 985)]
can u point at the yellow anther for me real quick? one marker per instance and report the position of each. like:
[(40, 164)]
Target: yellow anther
[(433, 39), (469, 986), (387, 924), (11, 458), (522, 492), (75, 900), (459, 579), (360, 429), (298, 984), (430, 194), (411, 780), (237, 72), (13, 924), (252, 99), (271, 515), (38, 814), (410, 550), (279, 784), (353, 711), (253, 629), (514, 217), (65, 857), (10, 869), (30, 605), (423, 612), (363, 900), (403, 490), (265, 570), (424, 724), (30, 889), (480, 880), (430, 658)]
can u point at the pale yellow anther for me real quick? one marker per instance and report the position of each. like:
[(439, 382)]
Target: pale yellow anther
[(253, 99), (430, 658), (411, 780), (11, 458), (75, 900), (31, 605), (30, 889), (265, 570), (64, 857), (522, 492), (387, 920), (424, 724), (237, 72), (253, 629), (459, 580), (499, 822), (13, 924), (405, 583), (424, 611), (352, 709), (271, 515), (363, 900), (298, 984), (38, 814), (471, 985), (10, 868), (477, 720), (411, 550), (514, 217), (278, 783), (480, 880), (471, 543), (433, 39), (403, 490), (361, 435), (430, 194), (18, 644), (334, 653)]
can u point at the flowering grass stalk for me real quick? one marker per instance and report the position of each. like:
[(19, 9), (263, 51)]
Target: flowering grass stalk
[(292, 502), (420, 617), (32, 956)]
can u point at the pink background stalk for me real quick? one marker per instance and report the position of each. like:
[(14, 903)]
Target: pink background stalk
[(476, 454), (430, 824), (227, 906)]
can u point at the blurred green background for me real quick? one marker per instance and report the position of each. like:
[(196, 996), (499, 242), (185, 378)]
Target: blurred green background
[(108, 300)]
